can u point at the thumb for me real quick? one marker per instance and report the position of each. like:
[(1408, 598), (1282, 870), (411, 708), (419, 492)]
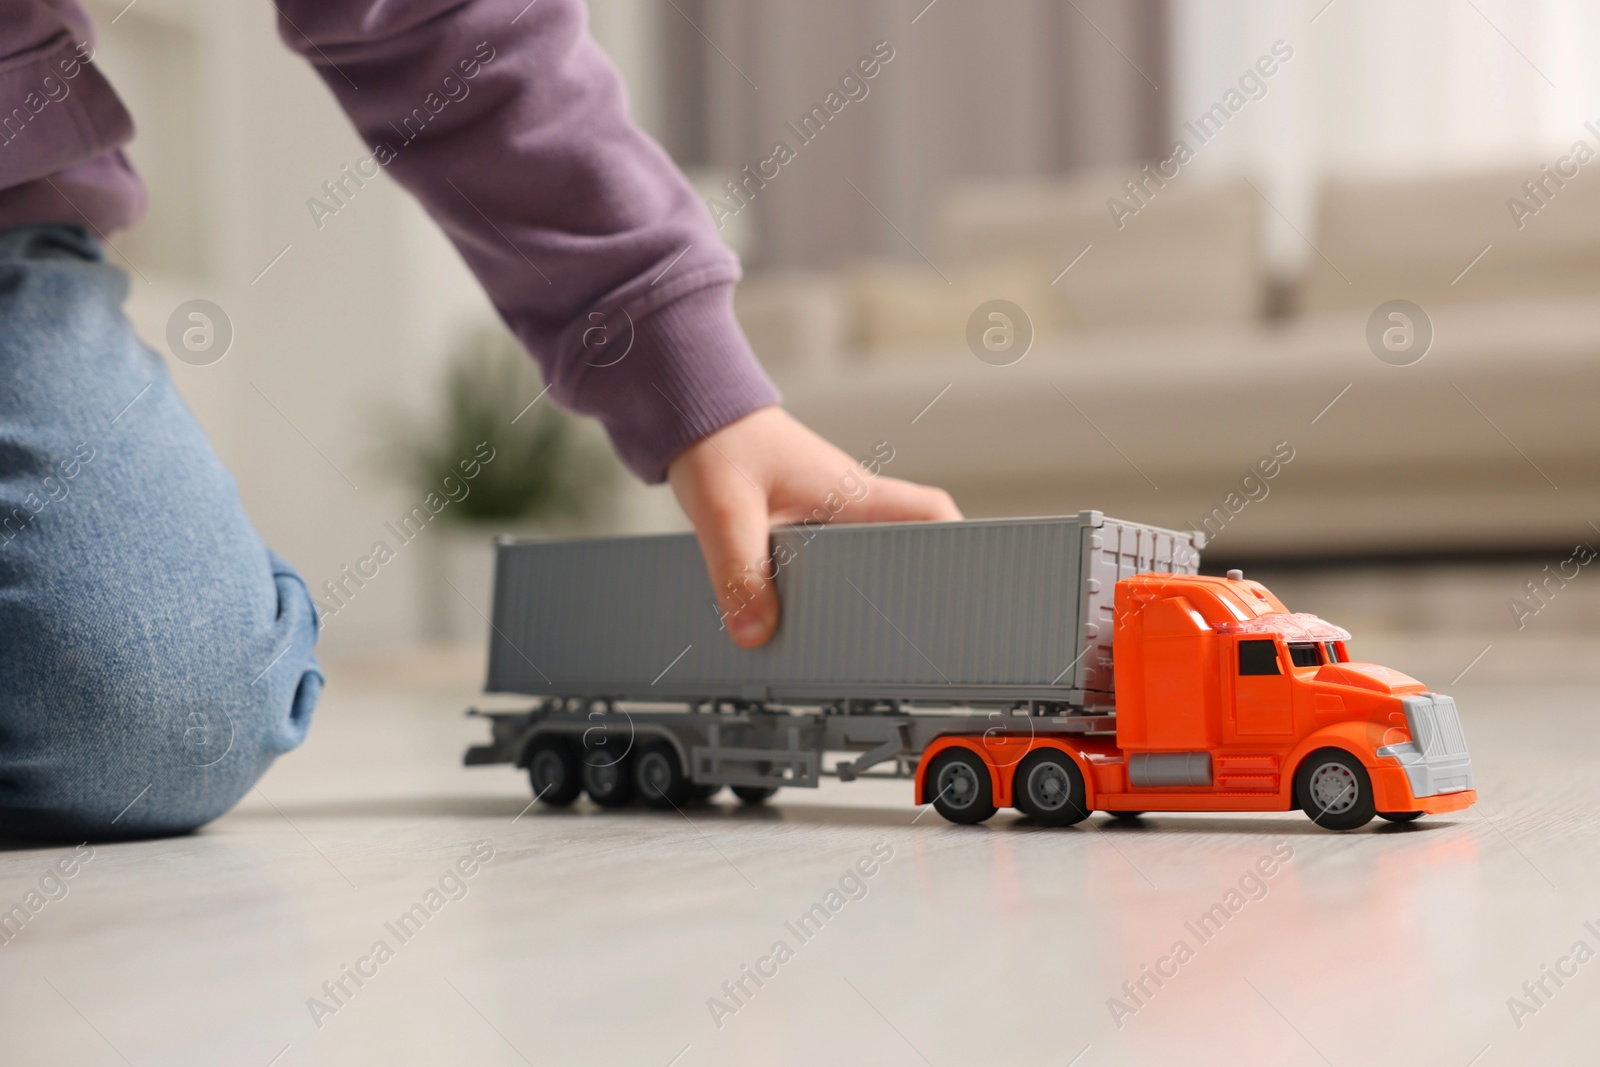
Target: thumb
[(731, 524)]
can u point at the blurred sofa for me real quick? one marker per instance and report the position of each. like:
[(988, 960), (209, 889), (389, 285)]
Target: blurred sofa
[(1169, 357)]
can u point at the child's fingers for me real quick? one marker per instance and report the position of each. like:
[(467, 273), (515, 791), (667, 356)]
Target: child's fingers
[(731, 524), (897, 500)]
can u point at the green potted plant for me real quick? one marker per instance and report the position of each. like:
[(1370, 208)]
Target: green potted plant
[(498, 458)]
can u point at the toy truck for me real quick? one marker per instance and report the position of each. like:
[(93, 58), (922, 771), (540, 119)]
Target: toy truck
[(1059, 666)]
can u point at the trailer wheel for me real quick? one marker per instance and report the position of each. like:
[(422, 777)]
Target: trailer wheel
[(1334, 790), (1049, 787), (553, 771), (658, 776), (606, 780), (1400, 816), (959, 782), (755, 794)]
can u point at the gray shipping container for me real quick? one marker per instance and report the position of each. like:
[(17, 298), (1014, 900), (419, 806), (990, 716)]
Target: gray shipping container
[(984, 612)]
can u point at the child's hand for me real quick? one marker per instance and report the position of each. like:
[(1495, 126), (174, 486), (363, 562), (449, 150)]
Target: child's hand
[(766, 469)]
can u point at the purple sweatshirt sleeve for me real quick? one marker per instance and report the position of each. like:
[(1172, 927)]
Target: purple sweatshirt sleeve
[(62, 127), (509, 124)]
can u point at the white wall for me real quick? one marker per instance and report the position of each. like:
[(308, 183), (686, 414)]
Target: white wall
[(1383, 88)]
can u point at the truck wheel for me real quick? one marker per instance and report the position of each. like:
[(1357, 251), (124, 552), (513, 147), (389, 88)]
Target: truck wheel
[(553, 771), (607, 780), (1125, 816), (658, 776), (754, 794), (1333, 789), (1049, 787), (1400, 816), (959, 783), (699, 794)]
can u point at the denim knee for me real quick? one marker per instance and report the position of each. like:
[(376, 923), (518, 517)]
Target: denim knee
[(148, 724)]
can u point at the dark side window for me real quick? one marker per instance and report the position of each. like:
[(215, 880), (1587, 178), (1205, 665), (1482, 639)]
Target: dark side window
[(1258, 657), (1304, 655), (1333, 652)]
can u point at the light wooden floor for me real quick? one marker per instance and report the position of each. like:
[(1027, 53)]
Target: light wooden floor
[(598, 938)]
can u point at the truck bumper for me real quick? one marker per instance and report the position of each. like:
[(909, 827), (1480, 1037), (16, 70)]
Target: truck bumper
[(1392, 791), (1431, 777)]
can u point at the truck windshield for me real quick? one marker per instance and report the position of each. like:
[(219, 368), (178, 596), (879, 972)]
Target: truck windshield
[(1333, 652), (1306, 655)]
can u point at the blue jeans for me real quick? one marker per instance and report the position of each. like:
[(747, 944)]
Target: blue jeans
[(155, 657)]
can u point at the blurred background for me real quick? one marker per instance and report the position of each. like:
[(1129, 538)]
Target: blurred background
[(1198, 215)]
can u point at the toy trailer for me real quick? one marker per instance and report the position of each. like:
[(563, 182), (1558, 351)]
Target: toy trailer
[(1057, 665)]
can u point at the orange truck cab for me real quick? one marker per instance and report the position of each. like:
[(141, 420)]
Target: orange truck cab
[(1227, 701)]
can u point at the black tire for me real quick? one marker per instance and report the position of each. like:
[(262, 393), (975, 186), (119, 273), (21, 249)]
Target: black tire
[(658, 779), (553, 771), (1125, 816), (1049, 787), (699, 794), (608, 780), (958, 782), (1400, 816), (755, 794), (1334, 790)]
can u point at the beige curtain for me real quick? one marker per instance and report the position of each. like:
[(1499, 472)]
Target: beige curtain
[(976, 88)]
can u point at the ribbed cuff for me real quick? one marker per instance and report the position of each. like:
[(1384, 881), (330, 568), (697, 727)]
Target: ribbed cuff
[(688, 372)]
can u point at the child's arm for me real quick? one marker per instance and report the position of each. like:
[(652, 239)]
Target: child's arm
[(510, 126)]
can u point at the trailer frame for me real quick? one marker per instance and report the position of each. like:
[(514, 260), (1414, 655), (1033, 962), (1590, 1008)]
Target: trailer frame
[(760, 746)]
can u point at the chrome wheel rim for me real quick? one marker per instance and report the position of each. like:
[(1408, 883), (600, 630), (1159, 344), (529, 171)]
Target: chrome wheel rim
[(1334, 788), (1049, 786), (654, 774), (958, 785), (548, 770), (602, 777)]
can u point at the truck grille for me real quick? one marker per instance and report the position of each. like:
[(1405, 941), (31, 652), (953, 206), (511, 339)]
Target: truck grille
[(1435, 726)]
